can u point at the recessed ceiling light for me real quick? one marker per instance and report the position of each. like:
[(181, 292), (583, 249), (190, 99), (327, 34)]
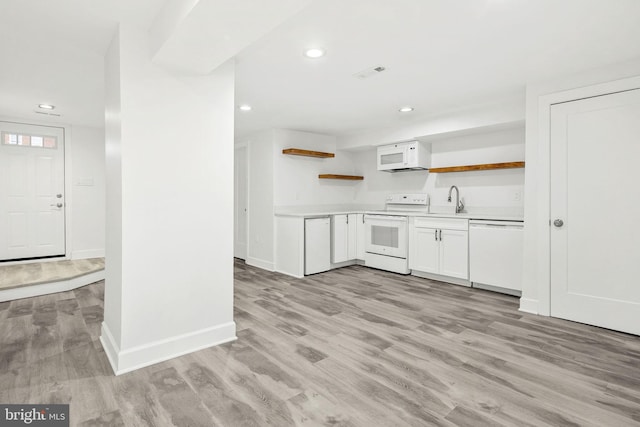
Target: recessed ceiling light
[(314, 52), (406, 109), (245, 107), (46, 106)]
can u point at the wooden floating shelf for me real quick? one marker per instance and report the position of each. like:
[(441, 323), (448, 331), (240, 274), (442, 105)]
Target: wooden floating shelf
[(347, 177), (484, 167), (307, 153)]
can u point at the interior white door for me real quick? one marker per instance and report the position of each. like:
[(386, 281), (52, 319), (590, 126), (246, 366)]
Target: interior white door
[(32, 199), (595, 210), (241, 205)]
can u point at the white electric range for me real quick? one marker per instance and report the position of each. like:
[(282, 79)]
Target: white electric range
[(386, 231)]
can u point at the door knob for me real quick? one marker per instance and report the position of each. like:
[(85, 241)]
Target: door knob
[(59, 196), (558, 223)]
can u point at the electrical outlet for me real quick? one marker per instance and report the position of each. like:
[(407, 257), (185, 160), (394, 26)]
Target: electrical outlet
[(517, 196)]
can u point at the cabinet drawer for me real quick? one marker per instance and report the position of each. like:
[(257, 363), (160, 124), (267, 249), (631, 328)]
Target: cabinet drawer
[(442, 223)]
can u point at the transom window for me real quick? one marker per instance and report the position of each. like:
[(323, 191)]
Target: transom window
[(29, 140)]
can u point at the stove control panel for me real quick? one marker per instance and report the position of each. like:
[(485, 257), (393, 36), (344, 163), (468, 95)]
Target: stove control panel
[(408, 199)]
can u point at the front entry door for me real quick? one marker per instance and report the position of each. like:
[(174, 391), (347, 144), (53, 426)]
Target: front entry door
[(32, 199), (595, 235)]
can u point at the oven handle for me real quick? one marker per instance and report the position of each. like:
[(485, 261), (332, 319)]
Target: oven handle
[(386, 218)]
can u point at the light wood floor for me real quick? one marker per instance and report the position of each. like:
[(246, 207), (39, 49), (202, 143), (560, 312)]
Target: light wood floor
[(351, 347)]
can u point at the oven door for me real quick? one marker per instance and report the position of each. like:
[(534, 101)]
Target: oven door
[(392, 157), (386, 235)]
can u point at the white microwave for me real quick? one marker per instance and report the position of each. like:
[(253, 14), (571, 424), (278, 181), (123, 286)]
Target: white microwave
[(404, 156)]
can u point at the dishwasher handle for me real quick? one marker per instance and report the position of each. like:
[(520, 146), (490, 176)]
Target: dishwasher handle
[(497, 224)]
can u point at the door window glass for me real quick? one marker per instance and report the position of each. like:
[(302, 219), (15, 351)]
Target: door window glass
[(10, 139), (24, 140)]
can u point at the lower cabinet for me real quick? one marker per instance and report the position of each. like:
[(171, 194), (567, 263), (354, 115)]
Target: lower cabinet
[(316, 245), (440, 246), (454, 253), (360, 236), (424, 250), (343, 238)]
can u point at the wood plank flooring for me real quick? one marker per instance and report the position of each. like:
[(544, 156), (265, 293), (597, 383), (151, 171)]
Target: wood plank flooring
[(350, 347)]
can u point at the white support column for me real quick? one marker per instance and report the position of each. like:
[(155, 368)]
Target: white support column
[(169, 250)]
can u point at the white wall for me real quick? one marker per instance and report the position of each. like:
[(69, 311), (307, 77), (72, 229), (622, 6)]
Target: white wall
[(113, 195), (476, 118), (500, 189), (88, 192), (169, 180), (536, 231), (280, 181), (296, 181)]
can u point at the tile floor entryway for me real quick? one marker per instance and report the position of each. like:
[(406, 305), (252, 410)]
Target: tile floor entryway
[(35, 273)]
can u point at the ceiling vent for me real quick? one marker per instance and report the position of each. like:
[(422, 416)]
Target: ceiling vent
[(48, 114), (365, 74)]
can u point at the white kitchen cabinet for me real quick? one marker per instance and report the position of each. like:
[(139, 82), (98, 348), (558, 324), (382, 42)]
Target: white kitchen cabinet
[(360, 236), (440, 246), (290, 244), (352, 234), (344, 237), (316, 245), (454, 253), (424, 249)]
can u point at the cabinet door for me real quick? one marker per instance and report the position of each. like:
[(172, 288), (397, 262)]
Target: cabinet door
[(454, 254), (352, 236), (360, 236), (339, 239), (424, 250), (316, 245)]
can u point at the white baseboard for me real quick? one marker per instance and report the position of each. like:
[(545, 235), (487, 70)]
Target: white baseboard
[(87, 253), (31, 261), (343, 264), (260, 263), (111, 348), (440, 278), (50, 288), (123, 361), (529, 305), (297, 276), (499, 289)]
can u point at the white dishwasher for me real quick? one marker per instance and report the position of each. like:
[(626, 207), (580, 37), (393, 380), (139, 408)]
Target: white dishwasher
[(495, 255), (317, 245)]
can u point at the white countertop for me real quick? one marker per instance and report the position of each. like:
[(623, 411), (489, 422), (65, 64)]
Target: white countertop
[(320, 211)]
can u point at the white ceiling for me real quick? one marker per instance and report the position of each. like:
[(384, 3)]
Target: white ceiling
[(440, 55), (52, 52)]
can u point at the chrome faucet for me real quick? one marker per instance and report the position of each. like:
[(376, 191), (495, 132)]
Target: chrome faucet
[(459, 204)]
